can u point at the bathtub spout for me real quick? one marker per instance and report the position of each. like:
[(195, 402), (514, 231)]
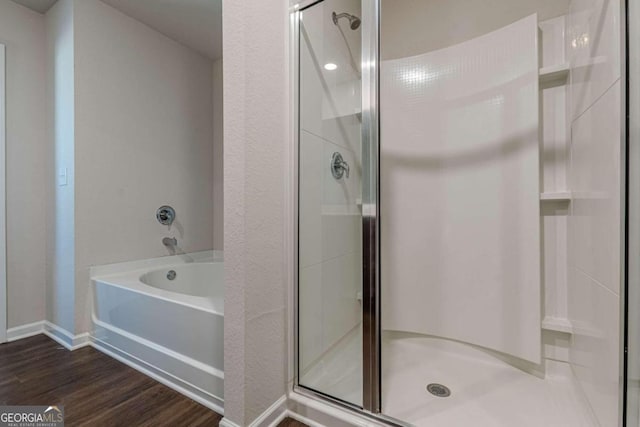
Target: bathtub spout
[(171, 242)]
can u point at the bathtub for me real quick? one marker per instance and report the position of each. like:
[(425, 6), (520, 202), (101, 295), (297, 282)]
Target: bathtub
[(165, 317)]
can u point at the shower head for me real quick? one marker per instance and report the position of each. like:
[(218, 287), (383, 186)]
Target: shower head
[(354, 21)]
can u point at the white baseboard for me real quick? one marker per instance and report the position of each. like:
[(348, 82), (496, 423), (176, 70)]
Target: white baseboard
[(320, 414), (228, 423), (25, 331), (284, 414), (65, 338), (304, 420), (189, 390), (73, 342), (53, 331), (271, 417)]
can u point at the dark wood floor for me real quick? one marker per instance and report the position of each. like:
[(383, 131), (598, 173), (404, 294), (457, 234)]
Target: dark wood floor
[(289, 422), (95, 389)]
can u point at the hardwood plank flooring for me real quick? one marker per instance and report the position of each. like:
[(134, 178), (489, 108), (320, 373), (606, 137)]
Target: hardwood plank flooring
[(290, 422), (95, 389)]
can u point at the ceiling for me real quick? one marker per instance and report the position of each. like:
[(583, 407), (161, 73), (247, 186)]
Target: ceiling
[(194, 23), (40, 6)]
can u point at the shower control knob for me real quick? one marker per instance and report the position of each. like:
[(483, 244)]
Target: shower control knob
[(339, 167)]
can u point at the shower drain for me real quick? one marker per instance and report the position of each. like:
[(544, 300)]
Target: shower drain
[(439, 390)]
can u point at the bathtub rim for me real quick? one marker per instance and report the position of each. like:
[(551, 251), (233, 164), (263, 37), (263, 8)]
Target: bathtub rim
[(130, 282), (177, 268), (143, 264), (154, 359), (126, 276)]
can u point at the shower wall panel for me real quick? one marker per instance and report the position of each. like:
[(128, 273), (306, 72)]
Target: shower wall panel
[(460, 192), (595, 232)]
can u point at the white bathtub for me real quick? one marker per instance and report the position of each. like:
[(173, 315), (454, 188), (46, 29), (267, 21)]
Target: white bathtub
[(170, 329)]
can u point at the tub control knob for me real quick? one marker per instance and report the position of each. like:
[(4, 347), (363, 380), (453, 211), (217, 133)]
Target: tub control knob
[(165, 215)]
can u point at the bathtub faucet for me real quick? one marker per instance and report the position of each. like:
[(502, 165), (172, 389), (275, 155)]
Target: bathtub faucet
[(170, 242)]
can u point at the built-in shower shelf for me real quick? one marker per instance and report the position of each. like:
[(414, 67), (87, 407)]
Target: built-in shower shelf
[(561, 196), (554, 73), (341, 115), (557, 324)]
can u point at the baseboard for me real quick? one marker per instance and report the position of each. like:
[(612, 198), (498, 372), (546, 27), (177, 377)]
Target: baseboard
[(271, 417), (315, 413), (53, 331), (73, 342), (304, 420), (65, 338), (204, 398), (25, 331), (283, 414), (228, 423)]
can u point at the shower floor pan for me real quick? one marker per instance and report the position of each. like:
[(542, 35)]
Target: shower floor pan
[(484, 391)]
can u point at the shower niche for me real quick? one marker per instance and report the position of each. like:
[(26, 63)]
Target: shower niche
[(555, 196)]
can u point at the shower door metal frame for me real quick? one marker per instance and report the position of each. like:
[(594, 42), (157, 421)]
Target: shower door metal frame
[(370, 211), (371, 331), (628, 406)]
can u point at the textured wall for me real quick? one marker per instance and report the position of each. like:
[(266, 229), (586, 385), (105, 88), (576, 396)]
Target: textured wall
[(23, 33), (255, 137)]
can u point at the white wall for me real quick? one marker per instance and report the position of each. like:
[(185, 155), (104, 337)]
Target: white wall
[(218, 157), (411, 27), (595, 226), (60, 200), (330, 218), (256, 131), (143, 138), (460, 240), (23, 33)]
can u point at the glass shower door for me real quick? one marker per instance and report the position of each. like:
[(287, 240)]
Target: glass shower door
[(330, 200)]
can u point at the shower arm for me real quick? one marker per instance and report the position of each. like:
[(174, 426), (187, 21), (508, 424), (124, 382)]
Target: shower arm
[(354, 21)]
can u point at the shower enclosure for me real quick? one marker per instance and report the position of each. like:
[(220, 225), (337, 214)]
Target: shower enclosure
[(458, 258)]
